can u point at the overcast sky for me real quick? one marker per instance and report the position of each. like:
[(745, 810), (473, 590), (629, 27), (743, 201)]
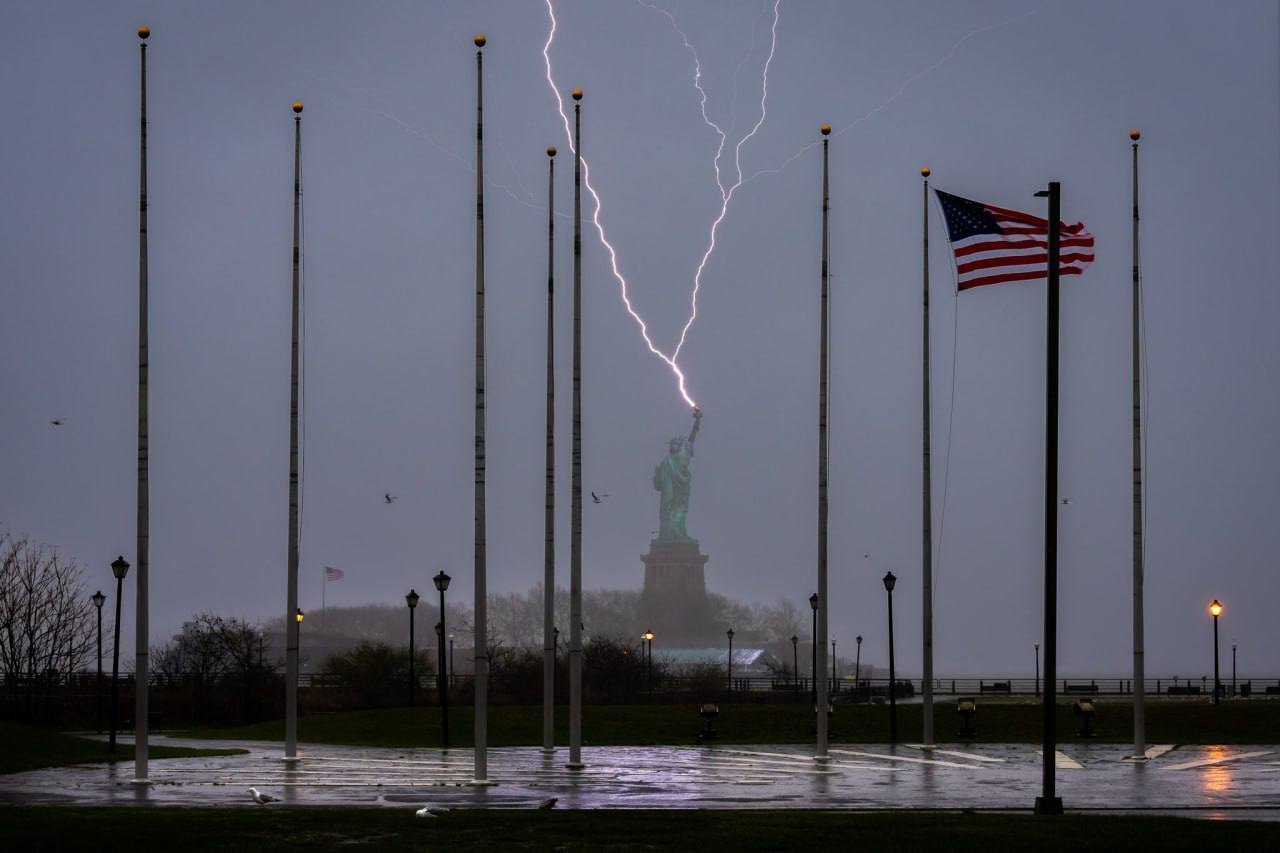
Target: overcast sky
[(997, 96)]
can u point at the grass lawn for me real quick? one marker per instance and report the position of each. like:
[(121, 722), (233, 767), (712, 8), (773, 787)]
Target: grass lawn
[(279, 829), (29, 748), (1179, 722)]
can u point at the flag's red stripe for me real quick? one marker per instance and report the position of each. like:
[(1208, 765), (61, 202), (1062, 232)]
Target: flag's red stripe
[(998, 244), (1021, 261), (1022, 276)]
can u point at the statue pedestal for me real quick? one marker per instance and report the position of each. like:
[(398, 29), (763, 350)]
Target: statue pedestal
[(674, 602)]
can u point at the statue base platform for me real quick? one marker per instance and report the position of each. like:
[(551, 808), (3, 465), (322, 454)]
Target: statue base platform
[(674, 602)]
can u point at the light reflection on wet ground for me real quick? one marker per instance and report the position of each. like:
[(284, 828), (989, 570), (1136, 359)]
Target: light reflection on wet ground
[(1209, 781)]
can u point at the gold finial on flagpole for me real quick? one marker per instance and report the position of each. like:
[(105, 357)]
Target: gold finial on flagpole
[(551, 151), (924, 172), (480, 40), (826, 129), (144, 32), (577, 94), (297, 107), (1135, 134)]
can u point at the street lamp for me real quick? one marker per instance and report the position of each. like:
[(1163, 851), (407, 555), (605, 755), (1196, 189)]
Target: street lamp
[(1037, 645), (795, 668), (729, 634), (647, 636), (442, 682), (412, 600), (813, 643), (1216, 610), (98, 600), (835, 670), (889, 581), (298, 616), (1233, 668), (119, 568), (857, 661), (452, 679)]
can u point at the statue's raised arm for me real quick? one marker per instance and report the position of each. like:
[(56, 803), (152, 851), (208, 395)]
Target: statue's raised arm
[(697, 424)]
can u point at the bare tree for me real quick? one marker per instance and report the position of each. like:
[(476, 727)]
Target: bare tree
[(46, 618)]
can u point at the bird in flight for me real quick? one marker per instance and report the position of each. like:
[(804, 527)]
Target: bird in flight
[(261, 798), (57, 421), (389, 498), (598, 498)]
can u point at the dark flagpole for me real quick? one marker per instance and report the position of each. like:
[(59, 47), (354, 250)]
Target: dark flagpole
[(481, 601), (292, 627), (820, 637), (549, 522), (575, 511), (926, 538), (1048, 803), (143, 546), (1139, 653)]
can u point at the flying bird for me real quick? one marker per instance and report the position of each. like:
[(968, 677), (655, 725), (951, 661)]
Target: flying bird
[(390, 498), (1066, 501), (57, 421), (598, 498), (548, 804), (261, 798)]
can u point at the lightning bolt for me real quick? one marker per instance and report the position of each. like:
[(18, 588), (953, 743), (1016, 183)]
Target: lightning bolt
[(595, 219), (726, 194)]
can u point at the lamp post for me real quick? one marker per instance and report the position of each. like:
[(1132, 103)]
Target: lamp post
[(119, 568), (889, 581), (835, 669), (730, 635), (99, 599), (795, 668), (1233, 665), (452, 672), (412, 600), (441, 581), (298, 616), (647, 636), (813, 664), (857, 661), (1216, 610), (1037, 669)]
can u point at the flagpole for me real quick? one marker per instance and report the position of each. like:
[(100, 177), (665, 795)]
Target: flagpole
[(926, 543), (575, 511), (1139, 551), (549, 532), (1048, 803), (290, 617), (142, 615), (820, 641), (481, 677)]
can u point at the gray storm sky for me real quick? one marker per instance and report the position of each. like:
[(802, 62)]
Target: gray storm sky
[(996, 96)]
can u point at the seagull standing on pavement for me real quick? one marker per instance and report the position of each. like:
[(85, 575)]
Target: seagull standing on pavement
[(430, 811), (261, 798)]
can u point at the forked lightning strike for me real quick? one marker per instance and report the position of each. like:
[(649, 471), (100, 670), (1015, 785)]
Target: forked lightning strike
[(595, 219), (726, 193)]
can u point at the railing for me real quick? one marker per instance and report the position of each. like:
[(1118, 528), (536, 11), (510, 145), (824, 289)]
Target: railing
[(870, 687)]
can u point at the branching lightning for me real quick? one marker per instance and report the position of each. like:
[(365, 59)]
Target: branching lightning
[(726, 193), (595, 218)]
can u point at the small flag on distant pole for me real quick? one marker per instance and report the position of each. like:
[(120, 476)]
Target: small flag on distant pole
[(994, 244), (332, 574)]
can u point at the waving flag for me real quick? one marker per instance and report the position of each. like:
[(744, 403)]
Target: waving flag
[(994, 244), (332, 574)]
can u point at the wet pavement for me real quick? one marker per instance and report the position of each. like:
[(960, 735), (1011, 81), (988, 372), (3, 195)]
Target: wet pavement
[(1209, 781)]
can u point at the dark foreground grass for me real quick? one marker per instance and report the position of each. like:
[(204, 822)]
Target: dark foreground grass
[(1179, 722), (303, 829), (28, 748)]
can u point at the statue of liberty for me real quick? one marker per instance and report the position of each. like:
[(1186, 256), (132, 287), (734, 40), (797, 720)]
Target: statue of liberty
[(672, 479)]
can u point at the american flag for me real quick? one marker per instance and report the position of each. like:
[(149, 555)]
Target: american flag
[(994, 244), (332, 574)]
